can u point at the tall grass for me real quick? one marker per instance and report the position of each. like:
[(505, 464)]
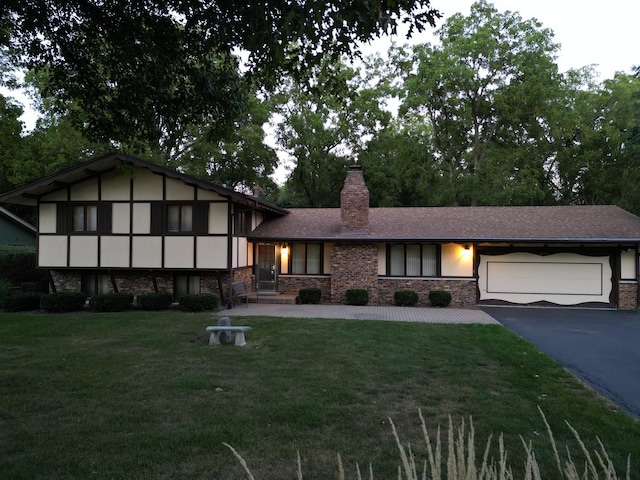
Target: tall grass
[(461, 461)]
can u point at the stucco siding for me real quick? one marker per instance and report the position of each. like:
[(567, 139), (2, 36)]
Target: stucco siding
[(83, 251), (52, 251), (178, 252), (147, 252), (85, 191), (456, 261), (47, 218), (115, 186), (121, 218), (142, 218), (218, 218), (147, 186), (212, 252), (114, 252), (177, 190), (628, 261)]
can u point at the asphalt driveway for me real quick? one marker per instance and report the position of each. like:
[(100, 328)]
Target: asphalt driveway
[(601, 347)]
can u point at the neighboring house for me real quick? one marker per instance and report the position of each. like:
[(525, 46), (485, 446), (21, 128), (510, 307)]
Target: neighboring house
[(119, 223), (14, 231)]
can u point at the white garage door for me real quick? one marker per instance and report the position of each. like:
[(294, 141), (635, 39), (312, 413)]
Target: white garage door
[(563, 278)]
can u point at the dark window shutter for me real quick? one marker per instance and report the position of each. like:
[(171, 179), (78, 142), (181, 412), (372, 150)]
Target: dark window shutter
[(62, 217), (201, 218), (157, 217), (105, 217)]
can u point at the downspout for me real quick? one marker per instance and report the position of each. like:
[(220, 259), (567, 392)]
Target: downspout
[(637, 277), (230, 252)]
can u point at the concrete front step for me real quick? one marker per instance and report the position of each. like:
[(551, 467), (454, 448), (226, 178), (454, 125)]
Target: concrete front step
[(272, 298)]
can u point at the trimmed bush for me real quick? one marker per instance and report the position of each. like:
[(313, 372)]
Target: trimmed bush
[(22, 302), (357, 296), (405, 298), (111, 302), (310, 295), (439, 298), (154, 301), (198, 303), (5, 288), (18, 264), (63, 301)]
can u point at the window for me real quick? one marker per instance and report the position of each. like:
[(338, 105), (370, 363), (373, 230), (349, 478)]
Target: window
[(306, 258), (412, 260), (186, 285), (95, 284), (179, 218), (242, 222), (85, 218)]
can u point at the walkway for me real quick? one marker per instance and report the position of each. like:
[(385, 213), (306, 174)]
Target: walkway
[(350, 312)]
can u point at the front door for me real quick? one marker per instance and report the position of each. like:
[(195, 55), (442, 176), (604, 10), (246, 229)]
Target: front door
[(267, 271)]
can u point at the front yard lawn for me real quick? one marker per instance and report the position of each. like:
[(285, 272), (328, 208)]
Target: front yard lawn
[(142, 395)]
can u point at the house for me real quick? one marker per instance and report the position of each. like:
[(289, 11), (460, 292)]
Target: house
[(119, 223), (14, 231)]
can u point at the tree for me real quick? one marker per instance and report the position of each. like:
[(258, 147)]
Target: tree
[(143, 72), (486, 92), (324, 129)]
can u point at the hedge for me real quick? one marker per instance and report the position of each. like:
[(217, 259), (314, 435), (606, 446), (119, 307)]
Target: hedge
[(439, 298), (198, 303), (357, 296), (111, 302), (310, 295), (63, 301), (154, 301), (405, 298), (22, 302)]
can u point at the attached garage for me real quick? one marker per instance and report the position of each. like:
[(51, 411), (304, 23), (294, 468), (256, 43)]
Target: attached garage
[(560, 279)]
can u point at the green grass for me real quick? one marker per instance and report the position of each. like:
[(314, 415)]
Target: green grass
[(143, 396)]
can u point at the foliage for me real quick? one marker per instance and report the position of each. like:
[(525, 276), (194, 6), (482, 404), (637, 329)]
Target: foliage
[(198, 303), (323, 126), (357, 296), (154, 301), (22, 302), (111, 302), (61, 302), (405, 298), (177, 58), (5, 288), (439, 298), (18, 264), (486, 92), (310, 295)]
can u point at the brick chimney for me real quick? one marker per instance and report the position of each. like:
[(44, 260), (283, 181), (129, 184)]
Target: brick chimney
[(354, 202)]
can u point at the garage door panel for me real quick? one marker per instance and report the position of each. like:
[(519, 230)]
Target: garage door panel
[(563, 278), (549, 278)]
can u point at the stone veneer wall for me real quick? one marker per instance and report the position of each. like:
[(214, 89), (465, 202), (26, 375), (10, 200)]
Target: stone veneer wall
[(628, 296), (463, 291), (354, 265), (291, 285), (66, 282)]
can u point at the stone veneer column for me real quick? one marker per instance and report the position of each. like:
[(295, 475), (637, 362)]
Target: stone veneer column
[(354, 265)]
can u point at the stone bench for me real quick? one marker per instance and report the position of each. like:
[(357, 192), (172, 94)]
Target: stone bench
[(214, 331)]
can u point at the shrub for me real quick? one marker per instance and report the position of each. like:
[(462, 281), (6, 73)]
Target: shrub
[(405, 298), (5, 288), (63, 301), (439, 298), (111, 302), (357, 296), (198, 303), (18, 264), (154, 301), (310, 295), (22, 302)]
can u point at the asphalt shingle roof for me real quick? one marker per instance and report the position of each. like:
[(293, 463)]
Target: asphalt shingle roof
[(585, 223)]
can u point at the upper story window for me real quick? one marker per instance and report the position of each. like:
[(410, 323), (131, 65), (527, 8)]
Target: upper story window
[(242, 222), (179, 218), (85, 218), (306, 258), (412, 260)]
